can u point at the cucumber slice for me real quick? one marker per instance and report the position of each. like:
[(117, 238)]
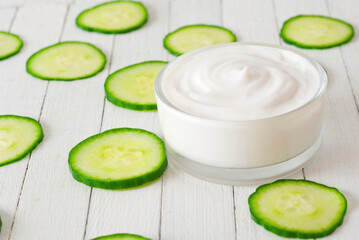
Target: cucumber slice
[(113, 17), (66, 61), (0, 224), (18, 137), (298, 208), (318, 32), (132, 87), (191, 37), (10, 44), (121, 158), (123, 236)]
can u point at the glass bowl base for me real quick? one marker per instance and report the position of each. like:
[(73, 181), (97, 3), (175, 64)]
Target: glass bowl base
[(242, 176)]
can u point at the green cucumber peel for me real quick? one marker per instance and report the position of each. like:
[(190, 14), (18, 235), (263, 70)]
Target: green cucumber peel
[(87, 27), (176, 52), (126, 236), (286, 231), (292, 41), (4, 138), (16, 49), (135, 104), (101, 64), (80, 168)]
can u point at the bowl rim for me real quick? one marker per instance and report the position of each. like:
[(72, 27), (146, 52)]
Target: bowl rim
[(160, 96)]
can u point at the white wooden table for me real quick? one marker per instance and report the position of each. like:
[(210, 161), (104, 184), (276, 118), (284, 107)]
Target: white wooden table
[(39, 199)]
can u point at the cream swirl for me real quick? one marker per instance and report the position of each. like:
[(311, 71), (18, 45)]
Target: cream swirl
[(241, 82)]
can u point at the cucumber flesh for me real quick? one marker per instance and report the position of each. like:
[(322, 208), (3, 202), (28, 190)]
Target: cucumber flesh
[(298, 208), (119, 158), (192, 37), (132, 87), (113, 17), (66, 61), (311, 31), (10, 44), (18, 137), (122, 236)]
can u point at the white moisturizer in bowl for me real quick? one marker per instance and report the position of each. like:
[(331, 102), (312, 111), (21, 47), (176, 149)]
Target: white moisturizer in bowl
[(240, 112), (241, 83)]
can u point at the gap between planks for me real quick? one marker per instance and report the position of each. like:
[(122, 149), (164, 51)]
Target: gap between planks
[(100, 130), (233, 192), (27, 165), (13, 18), (39, 118), (234, 213), (345, 64), (162, 178), (281, 43), (65, 19)]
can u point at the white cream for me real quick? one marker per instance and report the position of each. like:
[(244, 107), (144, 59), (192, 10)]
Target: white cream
[(241, 83), (224, 106)]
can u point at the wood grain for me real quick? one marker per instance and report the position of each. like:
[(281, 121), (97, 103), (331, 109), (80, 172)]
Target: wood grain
[(336, 162), (252, 21), (193, 209), (135, 211), (20, 94), (39, 199), (12, 3), (53, 205)]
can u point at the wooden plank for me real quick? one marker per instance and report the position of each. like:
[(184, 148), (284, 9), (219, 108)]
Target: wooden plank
[(12, 175), (12, 3), (6, 17), (20, 94), (193, 209), (135, 211), (252, 21), (195, 12), (348, 11), (53, 205), (93, 2), (336, 163), (41, 2)]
